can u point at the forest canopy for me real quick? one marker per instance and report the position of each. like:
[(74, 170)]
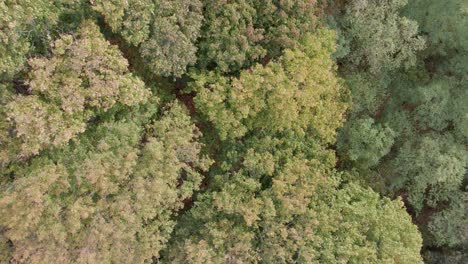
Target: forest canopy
[(233, 131)]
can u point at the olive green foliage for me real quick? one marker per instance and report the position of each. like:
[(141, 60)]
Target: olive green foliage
[(443, 23), (433, 166), (429, 164), (442, 104), (368, 94), (424, 157), (365, 142), (276, 197), (165, 31), (229, 37), (19, 20), (104, 198), (379, 37), (450, 227), (236, 34), (301, 218), (84, 77), (289, 94), (233, 131), (27, 27), (285, 21)]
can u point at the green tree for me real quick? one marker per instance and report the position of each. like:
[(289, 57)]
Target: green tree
[(364, 142), (27, 27), (379, 38), (285, 22), (18, 20), (368, 94), (165, 31), (443, 24), (423, 105), (433, 167), (104, 198), (276, 198), (85, 77), (286, 95), (449, 227), (237, 34), (229, 37)]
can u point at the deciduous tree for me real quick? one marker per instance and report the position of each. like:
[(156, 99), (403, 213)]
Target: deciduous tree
[(86, 76)]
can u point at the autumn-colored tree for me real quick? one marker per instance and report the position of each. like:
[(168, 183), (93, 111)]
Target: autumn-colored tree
[(85, 76), (333, 131), (103, 198)]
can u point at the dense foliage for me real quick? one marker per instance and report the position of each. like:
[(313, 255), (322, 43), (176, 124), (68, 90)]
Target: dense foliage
[(407, 129), (233, 131)]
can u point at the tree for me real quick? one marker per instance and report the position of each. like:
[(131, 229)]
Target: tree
[(17, 19), (368, 94), (85, 77), (9, 146), (28, 27), (230, 38), (289, 94), (165, 31), (103, 198), (433, 166), (364, 142), (423, 105), (442, 24), (379, 38), (449, 227), (237, 34), (285, 22), (276, 198)]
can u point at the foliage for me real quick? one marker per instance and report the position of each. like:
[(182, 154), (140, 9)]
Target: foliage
[(229, 37), (27, 27), (285, 22), (276, 197), (449, 226), (433, 166), (423, 105), (380, 38), (367, 92), (104, 198), (18, 20), (236, 34), (304, 106), (290, 94), (85, 76), (364, 142), (443, 23), (9, 146), (297, 215), (166, 31)]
